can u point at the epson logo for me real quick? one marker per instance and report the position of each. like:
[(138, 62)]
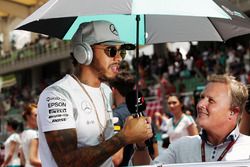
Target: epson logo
[(57, 104)]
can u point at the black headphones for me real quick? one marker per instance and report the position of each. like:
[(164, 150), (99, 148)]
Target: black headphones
[(83, 53)]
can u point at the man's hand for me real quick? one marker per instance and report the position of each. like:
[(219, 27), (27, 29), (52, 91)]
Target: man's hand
[(137, 130)]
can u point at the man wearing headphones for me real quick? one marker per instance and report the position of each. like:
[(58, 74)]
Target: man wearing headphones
[(74, 114)]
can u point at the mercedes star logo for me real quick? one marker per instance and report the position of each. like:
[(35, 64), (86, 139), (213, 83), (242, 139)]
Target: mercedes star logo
[(113, 29)]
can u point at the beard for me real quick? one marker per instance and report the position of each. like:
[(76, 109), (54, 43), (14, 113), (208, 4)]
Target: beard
[(102, 72), (104, 78)]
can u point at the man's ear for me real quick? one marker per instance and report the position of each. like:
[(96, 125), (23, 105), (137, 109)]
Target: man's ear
[(235, 110)]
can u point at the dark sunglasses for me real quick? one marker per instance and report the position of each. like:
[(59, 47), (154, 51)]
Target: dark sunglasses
[(111, 51)]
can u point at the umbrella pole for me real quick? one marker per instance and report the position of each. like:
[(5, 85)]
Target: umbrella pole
[(137, 60)]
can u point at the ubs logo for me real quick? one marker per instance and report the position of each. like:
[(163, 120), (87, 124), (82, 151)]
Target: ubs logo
[(113, 29)]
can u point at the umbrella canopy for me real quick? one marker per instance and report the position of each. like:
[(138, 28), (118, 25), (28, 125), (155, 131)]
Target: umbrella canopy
[(160, 20)]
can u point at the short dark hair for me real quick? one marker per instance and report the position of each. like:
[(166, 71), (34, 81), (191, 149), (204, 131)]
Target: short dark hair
[(14, 124), (124, 82)]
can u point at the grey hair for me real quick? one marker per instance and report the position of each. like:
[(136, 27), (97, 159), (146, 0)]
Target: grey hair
[(237, 90)]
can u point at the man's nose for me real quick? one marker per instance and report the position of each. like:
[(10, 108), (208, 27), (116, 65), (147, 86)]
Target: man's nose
[(118, 57), (202, 102)]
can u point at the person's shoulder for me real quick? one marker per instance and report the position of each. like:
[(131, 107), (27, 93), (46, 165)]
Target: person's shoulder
[(187, 145), (244, 139), (188, 118), (121, 111), (15, 137), (65, 83), (29, 131), (187, 141), (170, 120), (105, 87), (107, 91), (28, 134)]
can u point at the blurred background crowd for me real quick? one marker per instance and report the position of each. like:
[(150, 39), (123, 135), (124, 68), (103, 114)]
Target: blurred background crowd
[(161, 73)]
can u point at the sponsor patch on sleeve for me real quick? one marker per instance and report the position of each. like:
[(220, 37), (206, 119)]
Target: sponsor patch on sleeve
[(57, 109)]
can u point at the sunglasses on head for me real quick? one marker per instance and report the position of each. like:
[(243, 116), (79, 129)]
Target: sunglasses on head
[(112, 51)]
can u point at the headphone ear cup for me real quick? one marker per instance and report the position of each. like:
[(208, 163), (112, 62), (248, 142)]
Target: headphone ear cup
[(83, 53)]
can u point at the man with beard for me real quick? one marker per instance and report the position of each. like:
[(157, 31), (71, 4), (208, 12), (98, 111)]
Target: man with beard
[(74, 114), (218, 114)]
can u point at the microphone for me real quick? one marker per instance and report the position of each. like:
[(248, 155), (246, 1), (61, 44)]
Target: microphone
[(137, 106)]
